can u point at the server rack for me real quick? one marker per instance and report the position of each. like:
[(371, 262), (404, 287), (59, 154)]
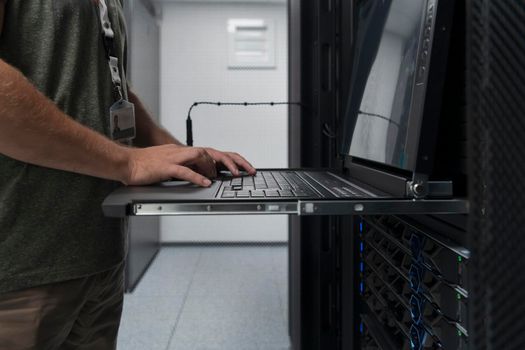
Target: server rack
[(413, 289), (371, 282), (412, 285)]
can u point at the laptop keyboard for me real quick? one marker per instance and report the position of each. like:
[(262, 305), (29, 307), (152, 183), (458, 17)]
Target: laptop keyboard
[(267, 184)]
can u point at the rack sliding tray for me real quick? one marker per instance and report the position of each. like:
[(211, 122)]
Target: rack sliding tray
[(161, 200)]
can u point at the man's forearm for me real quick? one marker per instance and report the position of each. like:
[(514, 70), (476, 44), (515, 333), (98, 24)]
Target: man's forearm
[(34, 130), (149, 133)]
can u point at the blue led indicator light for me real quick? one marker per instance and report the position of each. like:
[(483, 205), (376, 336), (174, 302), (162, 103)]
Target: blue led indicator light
[(362, 266), (361, 328), (362, 247), (361, 226), (361, 287)]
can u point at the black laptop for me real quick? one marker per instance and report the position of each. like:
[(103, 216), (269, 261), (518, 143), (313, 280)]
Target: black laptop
[(389, 129)]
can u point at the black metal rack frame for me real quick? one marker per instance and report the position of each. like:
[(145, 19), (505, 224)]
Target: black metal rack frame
[(325, 306)]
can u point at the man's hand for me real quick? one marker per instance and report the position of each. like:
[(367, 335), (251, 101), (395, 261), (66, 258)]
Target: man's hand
[(161, 163), (151, 134), (231, 161), (197, 165)]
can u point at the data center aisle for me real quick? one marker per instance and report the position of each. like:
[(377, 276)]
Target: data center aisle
[(210, 297)]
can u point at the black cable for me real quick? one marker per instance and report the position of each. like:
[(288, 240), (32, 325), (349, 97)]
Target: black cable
[(327, 131), (189, 127), (380, 117)]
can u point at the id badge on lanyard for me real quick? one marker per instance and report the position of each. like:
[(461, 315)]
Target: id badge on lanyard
[(122, 120), (121, 113)]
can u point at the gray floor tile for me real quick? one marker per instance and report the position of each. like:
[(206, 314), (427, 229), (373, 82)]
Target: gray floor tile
[(280, 261), (283, 298), (210, 298), (234, 322), (206, 283), (281, 282), (159, 308), (235, 270), (170, 274), (148, 322), (235, 259), (135, 334), (176, 259), (175, 284), (179, 256)]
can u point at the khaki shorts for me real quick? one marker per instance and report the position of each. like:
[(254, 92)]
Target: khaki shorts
[(79, 314)]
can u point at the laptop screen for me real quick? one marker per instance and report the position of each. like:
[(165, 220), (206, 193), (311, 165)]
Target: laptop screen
[(383, 106)]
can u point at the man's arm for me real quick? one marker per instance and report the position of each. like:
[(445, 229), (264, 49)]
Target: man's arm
[(34, 130), (151, 134)]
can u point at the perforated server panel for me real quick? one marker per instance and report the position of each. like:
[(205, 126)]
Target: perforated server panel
[(496, 80)]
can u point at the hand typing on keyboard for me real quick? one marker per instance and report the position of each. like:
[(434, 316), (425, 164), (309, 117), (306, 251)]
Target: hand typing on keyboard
[(231, 161)]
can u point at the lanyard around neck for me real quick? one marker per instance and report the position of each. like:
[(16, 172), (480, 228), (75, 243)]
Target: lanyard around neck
[(108, 38)]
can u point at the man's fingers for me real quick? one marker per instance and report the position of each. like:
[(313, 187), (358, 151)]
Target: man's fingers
[(205, 165), (198, 159), (184, 173), (243, 163), (203, 161), (228, 162)]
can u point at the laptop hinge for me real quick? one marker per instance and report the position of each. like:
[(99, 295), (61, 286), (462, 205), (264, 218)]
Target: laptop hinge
[(421, 187)]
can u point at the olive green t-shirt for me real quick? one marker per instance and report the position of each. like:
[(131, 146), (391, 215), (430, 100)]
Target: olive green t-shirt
[(51, 224)]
